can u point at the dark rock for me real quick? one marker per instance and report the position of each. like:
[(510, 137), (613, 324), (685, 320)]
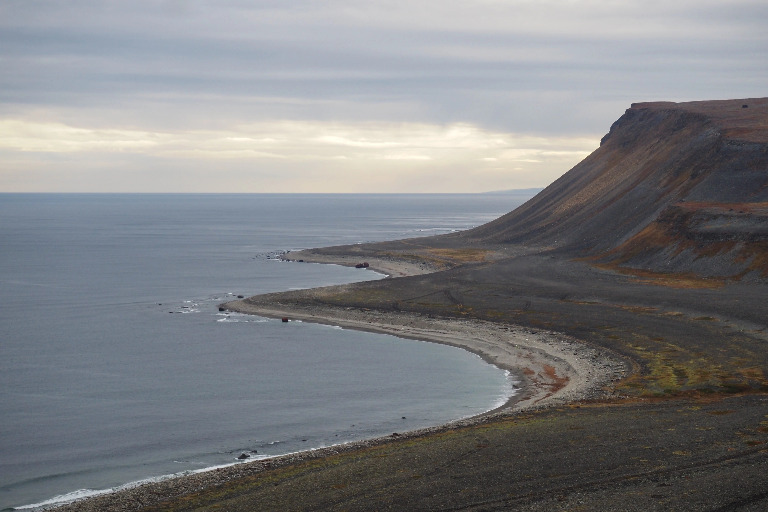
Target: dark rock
[(665, 214), (244, 456)]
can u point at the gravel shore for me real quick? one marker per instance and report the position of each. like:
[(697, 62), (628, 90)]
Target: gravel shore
[(590, 429), (554, 369)]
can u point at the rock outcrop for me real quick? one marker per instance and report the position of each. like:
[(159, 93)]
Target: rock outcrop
[(673, 187)]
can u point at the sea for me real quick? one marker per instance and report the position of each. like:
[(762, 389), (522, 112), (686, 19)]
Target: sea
[(117, 367)]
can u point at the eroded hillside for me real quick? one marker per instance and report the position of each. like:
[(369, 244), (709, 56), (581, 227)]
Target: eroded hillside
[(673, 188)]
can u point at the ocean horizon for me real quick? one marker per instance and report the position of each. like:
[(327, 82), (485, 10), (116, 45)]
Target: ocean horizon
[(118, 367)]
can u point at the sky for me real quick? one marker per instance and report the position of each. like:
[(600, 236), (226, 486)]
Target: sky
[(436, 96)]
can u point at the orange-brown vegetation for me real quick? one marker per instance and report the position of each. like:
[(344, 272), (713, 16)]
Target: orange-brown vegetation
[(458, 256), (675, 189)]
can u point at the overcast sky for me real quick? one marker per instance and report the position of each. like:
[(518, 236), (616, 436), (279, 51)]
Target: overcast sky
[(347, 96)]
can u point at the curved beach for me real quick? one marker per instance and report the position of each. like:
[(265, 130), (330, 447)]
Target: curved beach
[(654, 248), (553, 369)]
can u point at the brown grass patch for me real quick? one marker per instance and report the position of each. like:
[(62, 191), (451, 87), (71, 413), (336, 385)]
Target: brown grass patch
[(558, 382), (468, 255), (637, 309), (675, 229), (682, 280), (757, 252), (754, 374)]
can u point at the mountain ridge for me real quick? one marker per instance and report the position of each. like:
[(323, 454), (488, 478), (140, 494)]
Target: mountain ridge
[(673, 187)]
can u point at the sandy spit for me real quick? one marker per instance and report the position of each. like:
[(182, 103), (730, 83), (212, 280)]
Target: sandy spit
[(391, 267)]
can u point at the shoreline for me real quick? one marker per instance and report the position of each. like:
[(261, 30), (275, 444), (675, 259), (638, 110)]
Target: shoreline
[(552, 368), (390, 267)]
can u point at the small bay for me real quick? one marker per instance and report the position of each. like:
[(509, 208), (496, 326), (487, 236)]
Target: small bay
[(116, 365)]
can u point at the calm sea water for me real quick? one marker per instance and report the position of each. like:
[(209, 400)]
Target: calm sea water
[(116, 366)]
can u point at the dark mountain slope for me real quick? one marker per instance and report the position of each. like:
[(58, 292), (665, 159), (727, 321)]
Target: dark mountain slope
[(673, 187)]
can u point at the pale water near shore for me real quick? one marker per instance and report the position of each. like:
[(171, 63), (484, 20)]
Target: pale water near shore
[(115, 364)]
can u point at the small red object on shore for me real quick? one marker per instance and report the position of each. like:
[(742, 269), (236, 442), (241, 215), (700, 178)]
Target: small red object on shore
[(285, 319)]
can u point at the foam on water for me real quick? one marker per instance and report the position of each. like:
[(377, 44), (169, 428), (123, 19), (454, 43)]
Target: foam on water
[(240, 318), (105, 386), (81, 494)]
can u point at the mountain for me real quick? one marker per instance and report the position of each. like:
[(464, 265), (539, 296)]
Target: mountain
[(673, 187), (652, 249)]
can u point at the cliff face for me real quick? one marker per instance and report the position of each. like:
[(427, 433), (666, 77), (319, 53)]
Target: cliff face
[(672, 187)]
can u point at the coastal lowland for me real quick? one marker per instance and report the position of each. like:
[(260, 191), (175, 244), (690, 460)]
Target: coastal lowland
[(630, 296)]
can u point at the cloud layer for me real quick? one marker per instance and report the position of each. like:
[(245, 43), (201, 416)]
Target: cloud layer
[(289, 96)]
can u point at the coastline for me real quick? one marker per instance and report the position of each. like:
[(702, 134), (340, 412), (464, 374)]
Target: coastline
[(553, 369), (694, 437), (391, 267)]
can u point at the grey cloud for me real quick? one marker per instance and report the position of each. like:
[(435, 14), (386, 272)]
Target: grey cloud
[(511, 65)]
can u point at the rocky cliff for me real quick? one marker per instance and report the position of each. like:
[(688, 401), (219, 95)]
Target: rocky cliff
[(673, 187)]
